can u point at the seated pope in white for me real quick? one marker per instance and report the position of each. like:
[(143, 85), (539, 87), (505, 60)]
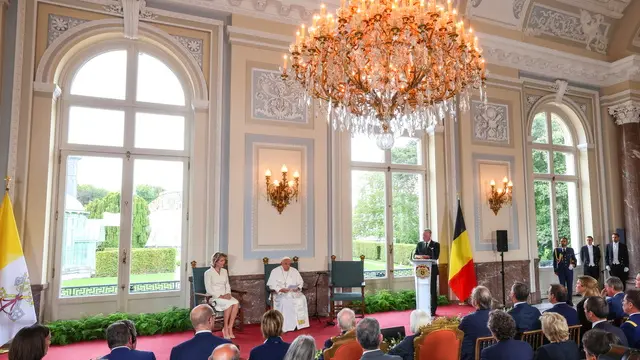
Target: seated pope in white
[(288, 299)]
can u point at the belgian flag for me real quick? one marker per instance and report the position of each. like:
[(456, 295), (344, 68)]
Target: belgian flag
[(462, 274)]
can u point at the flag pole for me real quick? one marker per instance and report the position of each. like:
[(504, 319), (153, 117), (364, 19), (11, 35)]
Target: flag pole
[(7, 180)]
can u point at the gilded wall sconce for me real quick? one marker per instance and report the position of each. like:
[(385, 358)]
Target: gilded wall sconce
[(281, 192), (498, 197)]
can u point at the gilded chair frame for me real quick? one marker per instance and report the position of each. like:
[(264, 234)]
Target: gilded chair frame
[(482, 343), (440, 324), (338, 341), (574, 333)]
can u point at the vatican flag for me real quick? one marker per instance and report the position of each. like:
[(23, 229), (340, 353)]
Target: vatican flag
[(16, 302)]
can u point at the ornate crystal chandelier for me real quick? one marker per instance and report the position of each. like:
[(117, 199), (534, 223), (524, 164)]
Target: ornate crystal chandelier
[(387, 67)]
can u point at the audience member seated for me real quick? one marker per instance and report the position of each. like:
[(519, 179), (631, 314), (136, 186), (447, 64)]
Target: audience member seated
[(369, 337), (638, 281), (404, 349), (30, 343), (631, 328), (614, 293), (474, 325), (596, 310), (556, 330), (132, 330), (274, 348), (503, 329), (558, 297), (527, 317), (216, 282), (225, 352), (302, 348), (598, 342), (346, 322), (120, 341), (204, 342), (585, 286)]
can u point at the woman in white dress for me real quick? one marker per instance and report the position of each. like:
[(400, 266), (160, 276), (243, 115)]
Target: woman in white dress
[(216, 281)]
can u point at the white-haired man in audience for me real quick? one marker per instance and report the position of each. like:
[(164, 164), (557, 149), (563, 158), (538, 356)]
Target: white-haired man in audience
[(346, 322), (417, 320)]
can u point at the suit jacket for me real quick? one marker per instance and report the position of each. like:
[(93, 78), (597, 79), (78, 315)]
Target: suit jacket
[(582, 317), (473, 326), (128, 354), (405, 348), (274, 348), (379, 355), (615, 306), (199, 347), (566, 350), (562, 259), (614, 330), (508, 350), (623, 255), (631, 329), (327, 344), (433, 250), (584, 255), (569, 313), (526, 316)]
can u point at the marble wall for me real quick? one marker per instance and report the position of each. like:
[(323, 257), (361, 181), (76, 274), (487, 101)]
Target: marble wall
[(488, 275), (630, 166)]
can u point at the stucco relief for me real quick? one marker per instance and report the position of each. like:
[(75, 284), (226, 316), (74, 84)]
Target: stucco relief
[(193, 45), (518, 7), (275, 99), (531, 100), (585, 28), (490, 122), (119, 10), (58, 24)]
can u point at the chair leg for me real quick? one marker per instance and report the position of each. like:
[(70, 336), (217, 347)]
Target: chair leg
[(333, 309), (241, 319)]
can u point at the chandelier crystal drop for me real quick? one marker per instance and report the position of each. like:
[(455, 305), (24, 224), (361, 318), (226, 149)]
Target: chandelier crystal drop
[(385, 68)]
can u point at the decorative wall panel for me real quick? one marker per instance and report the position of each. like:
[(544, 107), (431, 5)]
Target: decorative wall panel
[(194, 46), (273, 99), (58, 24), (490, 122)]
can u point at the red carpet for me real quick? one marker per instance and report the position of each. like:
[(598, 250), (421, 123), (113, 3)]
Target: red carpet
[(161, 344)]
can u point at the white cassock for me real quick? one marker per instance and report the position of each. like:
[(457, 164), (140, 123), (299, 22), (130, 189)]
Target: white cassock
[(292, 305)]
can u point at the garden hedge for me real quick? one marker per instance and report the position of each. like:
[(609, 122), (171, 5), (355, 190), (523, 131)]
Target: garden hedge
[(373, 250), (143, 261)]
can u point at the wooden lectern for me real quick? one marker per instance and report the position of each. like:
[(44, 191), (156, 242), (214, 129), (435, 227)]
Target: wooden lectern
[(422, 274)]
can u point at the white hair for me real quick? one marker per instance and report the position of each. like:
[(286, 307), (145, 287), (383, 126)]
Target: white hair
[(346, 319), (418, 319)]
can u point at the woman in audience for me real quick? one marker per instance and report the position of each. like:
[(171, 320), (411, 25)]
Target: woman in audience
[(30, 343), (598, 342), (585, 286), (404, 349), (474, 325), (556, 330), (216, 281), (302, 348), (503, 329), (274, 348)]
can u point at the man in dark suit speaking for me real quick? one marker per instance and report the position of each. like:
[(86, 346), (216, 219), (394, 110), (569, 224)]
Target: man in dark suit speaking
[(429, 249), (590, 258), (617, 259)]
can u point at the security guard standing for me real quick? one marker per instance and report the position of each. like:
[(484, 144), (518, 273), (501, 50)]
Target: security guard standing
[(564, 260)]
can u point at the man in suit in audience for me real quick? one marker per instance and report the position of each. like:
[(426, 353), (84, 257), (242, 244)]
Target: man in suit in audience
[(631, 327), (430, 249), (596, 311), (369, 337), (590, 258), (225, 352), (614, 295), (558, 297), (564, 260), (120, 342), (204, 342), (527, 317), (617, 259), (503, 329), (474, 325), (346, 322)]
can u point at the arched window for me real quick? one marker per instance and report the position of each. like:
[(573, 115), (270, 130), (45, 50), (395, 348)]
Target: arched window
[(124, 160), (555, 182)]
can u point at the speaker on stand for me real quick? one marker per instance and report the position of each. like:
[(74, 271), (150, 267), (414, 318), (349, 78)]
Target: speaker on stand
[(502, 246)]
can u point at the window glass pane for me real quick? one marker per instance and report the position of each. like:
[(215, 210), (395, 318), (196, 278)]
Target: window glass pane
[(157, 83), (540, 161), (567, 211), (539, 129), (365, 149), (560, 131), (104, 76), (368, 221), (157, 226), (90, 126), (155, 131), (407, 151), (407, 195), (91, 228), (544, 225), (563, 163)]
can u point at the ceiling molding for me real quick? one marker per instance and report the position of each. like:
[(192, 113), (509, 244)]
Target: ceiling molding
[(610, 8), (256, 38)]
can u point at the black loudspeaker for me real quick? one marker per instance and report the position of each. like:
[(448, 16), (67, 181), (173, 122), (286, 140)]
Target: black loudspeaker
[(501, 241)]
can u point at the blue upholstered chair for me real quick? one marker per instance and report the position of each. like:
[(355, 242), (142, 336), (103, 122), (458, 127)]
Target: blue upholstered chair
[(199, 295), (267, 273), (346, 275)]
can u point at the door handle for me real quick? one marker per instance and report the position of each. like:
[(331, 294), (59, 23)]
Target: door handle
[(390, 248), (124, 256)]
